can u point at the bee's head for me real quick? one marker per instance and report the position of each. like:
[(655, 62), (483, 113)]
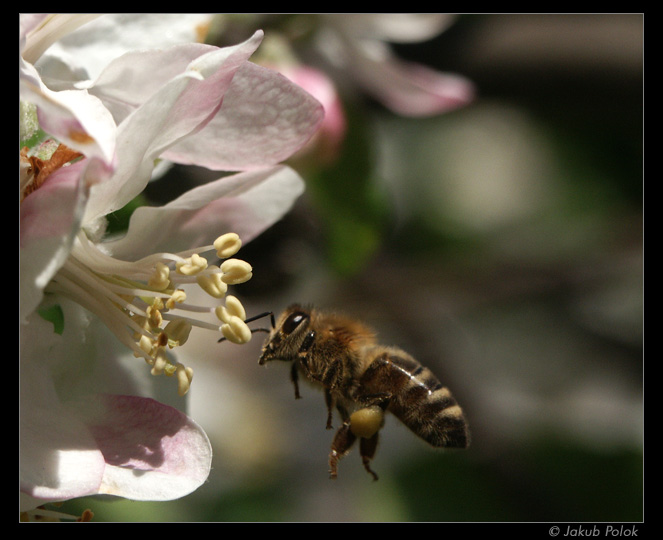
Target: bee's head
[(286, 336)]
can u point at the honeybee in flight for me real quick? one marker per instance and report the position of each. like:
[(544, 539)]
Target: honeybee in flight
[(362, 380)]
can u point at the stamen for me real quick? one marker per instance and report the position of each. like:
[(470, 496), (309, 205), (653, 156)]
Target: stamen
[(160, 279), (160, 363), (178, 332), (236, 330), (191, 266), (232, 308), (184, 378), (142, 303), (41, 514), (235, 307), (177, 297), (227, 245), (212, 283), (236, 271)]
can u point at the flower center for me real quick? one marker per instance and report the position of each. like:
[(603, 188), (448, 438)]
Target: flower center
[(143, 302)]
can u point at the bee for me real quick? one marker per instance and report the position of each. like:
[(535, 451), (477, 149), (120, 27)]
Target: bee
[(362, 380)]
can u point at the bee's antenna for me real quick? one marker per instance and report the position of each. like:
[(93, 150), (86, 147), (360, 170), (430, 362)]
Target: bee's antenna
[(255, 318)]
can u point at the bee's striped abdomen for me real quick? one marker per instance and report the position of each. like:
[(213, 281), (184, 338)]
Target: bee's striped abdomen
[(416, 397)]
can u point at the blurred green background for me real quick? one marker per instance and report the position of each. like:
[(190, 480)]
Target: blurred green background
[(501, 245)]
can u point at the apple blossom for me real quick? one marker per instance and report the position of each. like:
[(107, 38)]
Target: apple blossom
[(93, 149), (359, 47), (355, 51)]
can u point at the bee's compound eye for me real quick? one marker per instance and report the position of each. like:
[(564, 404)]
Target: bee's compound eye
[(293, 321)]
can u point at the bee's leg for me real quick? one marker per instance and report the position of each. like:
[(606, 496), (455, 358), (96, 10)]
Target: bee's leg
[(330, 380), (302, 360), (380, 399), (345, 416), (343, 441), (329, 400), (294, 377), (367, 449)]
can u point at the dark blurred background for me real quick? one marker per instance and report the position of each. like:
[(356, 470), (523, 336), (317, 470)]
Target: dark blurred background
[(501, 245)]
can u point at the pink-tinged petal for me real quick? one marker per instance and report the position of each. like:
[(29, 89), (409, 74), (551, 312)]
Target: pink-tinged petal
[(246, 203), (181, 107), (407, 88), (265, 118), (49, 219), (333, 128), (50, 210), (420, 91), (152, 451)]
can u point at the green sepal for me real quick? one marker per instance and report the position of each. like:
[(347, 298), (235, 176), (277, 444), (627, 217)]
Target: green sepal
[(55, 315)]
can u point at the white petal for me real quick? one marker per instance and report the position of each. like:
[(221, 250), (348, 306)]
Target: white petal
[(130, 80), (244, 203), (59, 458), (179, 108), (40, 31), (94, 45)]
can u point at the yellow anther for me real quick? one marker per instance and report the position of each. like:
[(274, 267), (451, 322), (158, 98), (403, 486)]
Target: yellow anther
[(235, 307), (192, 265), (160, 279), (178, 331), (170, 369), (366, 422), (227, 245), (177, 297), (212, 284), (154, 316), (236, 330), (184, 378), (146, 344), (160, 364), (236, 271), (222, 313)]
